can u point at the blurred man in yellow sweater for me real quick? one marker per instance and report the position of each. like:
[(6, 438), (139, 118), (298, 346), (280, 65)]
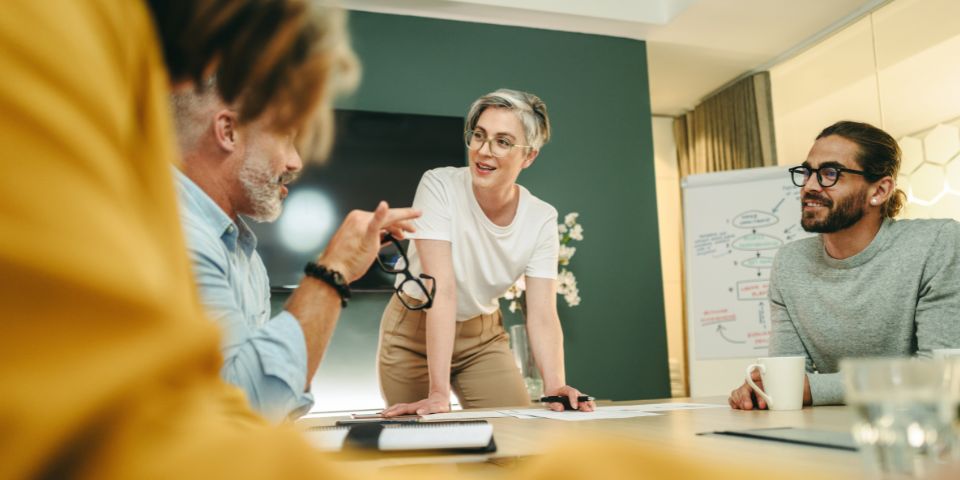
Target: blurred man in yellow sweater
[(109, 367), (108, 363)]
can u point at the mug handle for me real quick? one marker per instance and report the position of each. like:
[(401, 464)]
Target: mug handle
[(754, 386)]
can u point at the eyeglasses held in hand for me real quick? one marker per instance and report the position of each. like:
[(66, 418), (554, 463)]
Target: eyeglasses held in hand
[(499, 146), (826, 176), (426, 284)]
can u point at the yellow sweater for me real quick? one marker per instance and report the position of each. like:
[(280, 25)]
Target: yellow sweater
[(108, 368)]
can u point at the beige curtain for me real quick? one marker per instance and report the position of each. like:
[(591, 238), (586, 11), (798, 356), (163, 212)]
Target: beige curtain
[(731, 129)]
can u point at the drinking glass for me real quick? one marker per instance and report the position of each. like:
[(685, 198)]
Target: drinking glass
[(520, 344), (906, 411)]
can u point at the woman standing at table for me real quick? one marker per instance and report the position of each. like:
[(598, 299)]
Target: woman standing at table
[(480, 231)]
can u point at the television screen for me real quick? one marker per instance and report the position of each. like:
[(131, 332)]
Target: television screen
[(376, 156)]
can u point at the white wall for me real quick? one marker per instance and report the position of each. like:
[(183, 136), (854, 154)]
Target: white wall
[(897, 69), (834, 80)]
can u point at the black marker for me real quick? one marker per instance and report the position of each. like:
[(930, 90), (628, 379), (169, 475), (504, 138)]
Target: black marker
[(565, 400)]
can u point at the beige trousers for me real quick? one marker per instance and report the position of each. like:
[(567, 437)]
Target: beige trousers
[(483, 373)]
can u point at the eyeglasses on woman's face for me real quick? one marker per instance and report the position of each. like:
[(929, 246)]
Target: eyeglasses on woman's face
[(500, 146)]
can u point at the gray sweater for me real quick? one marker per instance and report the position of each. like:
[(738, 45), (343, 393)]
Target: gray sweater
[(900, 296)]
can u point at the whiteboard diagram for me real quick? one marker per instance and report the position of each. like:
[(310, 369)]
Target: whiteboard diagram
[(734, 223)]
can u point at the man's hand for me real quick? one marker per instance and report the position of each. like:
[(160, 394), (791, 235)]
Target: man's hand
[(355, 244), (435, 403), (743, 398), (571, 394)]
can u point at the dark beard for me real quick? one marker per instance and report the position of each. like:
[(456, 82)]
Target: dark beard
[(843, 214)]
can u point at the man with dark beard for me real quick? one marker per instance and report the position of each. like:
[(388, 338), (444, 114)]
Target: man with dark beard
[(868, 285), (233, 169)]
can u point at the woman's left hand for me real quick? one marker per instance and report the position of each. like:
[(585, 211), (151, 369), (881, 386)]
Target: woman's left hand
[(435, 403), (572, 394)]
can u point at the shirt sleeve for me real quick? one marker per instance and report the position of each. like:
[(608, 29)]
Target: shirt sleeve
[(825, 388), (543, 262), (433, 201), (268, 363), (938, 306)]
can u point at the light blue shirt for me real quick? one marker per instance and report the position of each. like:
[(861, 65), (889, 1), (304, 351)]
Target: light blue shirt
[(266, 357)]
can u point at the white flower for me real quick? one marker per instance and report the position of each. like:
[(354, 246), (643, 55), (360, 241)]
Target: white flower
[(566, 253), (514, 293), (572, 298), (566, 281), (576, 232)]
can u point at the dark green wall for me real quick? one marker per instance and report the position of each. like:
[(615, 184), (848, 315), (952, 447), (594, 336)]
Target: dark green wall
[(599, 163)]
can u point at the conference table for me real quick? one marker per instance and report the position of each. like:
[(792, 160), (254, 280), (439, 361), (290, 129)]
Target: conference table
[(683, 432)]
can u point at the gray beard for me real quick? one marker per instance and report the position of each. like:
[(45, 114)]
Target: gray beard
[(262, 190)]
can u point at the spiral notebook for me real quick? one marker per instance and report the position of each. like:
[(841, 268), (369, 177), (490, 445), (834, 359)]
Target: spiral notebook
[(461, 436)]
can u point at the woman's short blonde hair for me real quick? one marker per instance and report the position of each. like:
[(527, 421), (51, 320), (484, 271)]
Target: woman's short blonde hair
[(531, 111)]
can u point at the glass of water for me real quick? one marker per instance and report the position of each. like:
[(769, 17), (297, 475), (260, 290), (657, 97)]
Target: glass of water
[(906, 413), (523, 354)]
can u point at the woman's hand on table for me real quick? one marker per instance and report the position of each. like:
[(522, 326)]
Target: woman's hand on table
[(435, 403), (572, 394)]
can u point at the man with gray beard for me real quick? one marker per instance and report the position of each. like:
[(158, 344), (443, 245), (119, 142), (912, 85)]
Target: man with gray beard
[(868, 285), (233, 169)]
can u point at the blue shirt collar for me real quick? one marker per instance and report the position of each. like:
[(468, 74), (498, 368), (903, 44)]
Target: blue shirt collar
[(199, 204)]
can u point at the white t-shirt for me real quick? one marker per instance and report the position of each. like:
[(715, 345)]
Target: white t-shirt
[(487, 258)]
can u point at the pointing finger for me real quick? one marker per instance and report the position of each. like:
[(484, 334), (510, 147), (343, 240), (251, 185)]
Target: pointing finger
[(374, 227), (395, 215)]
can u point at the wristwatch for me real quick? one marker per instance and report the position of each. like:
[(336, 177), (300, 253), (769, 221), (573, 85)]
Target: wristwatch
[(331, 277)]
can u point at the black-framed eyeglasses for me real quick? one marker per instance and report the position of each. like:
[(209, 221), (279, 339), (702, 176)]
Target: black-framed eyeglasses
[(499, 146), (826, 176), (426, 284)]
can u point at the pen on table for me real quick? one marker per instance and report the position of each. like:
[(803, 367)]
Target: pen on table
[(563, 399), (560, 398)]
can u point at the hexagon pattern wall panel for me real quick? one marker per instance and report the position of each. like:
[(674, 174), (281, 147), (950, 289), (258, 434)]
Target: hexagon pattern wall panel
[(930, 172)]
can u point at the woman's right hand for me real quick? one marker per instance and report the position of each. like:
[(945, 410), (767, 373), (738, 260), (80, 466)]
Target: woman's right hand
[(435, 403)]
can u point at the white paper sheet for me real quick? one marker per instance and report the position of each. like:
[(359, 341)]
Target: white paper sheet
[(575, 416), (462, 415), (658, 407)]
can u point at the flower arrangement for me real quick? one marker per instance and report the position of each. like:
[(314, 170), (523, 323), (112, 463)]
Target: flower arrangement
[(569, 231)]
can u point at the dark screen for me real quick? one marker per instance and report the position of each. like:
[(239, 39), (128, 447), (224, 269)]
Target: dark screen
[(376, 156)]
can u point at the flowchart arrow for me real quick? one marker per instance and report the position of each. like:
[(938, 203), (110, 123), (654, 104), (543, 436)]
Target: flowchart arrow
[(721, 329), (778, 206)]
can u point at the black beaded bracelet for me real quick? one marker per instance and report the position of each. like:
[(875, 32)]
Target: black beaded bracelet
[(331, 277)]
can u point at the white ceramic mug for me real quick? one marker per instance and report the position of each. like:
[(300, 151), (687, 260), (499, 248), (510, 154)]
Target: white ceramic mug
[(782, 381)]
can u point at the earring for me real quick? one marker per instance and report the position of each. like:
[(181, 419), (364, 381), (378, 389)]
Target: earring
[(873, 201)]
